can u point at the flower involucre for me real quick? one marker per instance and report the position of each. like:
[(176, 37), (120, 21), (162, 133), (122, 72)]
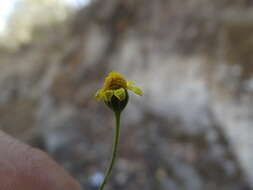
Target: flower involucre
[(116, 85)]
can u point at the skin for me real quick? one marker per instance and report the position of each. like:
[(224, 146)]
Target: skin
[(25, 168)]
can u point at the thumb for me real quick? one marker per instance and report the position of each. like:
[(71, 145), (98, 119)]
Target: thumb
[(25, 168)]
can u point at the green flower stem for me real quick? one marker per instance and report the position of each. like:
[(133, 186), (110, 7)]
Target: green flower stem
[(114, 150)]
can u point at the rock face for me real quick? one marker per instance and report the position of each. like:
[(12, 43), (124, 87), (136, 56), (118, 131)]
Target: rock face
[(192, 128)]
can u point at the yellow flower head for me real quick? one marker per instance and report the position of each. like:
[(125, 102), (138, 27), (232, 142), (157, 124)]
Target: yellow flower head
[(116, 85)]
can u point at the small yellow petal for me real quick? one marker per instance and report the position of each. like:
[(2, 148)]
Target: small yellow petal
[(136, 90), (108, 95), (98, 95), (129, 83), (120, 94)]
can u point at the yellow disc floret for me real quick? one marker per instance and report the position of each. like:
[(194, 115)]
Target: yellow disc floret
[(116, 85), (114, 81)]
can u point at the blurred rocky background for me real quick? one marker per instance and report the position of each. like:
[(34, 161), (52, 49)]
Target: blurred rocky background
[(193, 128)]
